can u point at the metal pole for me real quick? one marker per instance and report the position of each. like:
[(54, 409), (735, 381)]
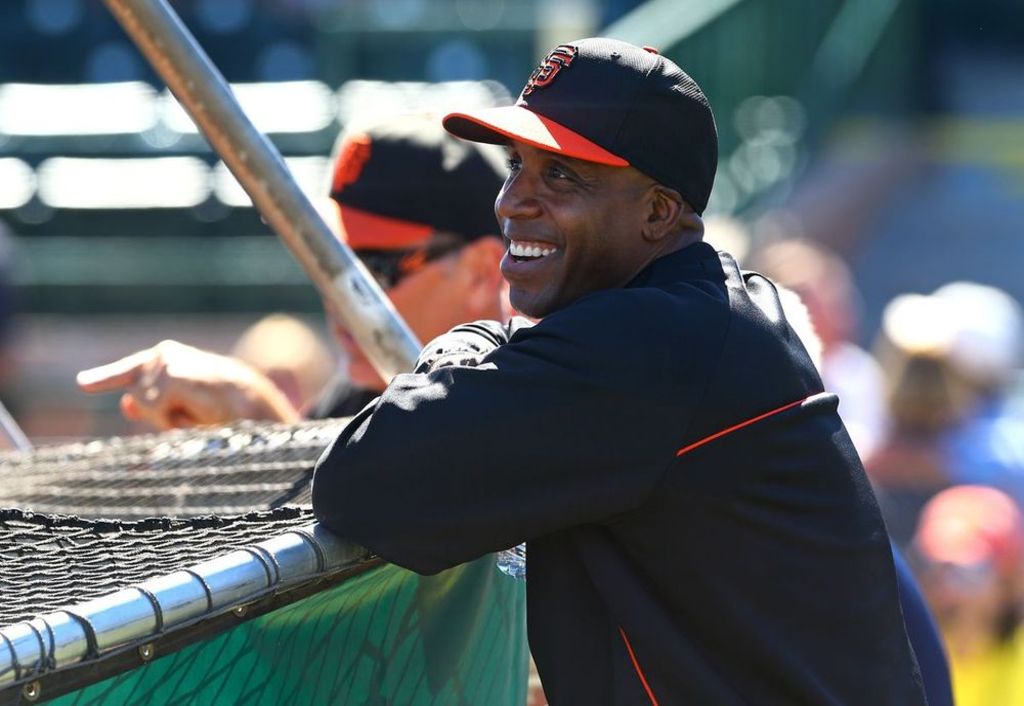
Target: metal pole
[(336, 272)]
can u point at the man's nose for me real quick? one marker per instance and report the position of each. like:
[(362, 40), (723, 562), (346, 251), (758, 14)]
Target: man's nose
[(516, 199)]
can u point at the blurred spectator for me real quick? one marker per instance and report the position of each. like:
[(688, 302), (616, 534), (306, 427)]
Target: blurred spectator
[(290, 354), (926, 398), (416, 206), (949, 359), (969, 550), (987, 447), (824, 283), (924, 390)]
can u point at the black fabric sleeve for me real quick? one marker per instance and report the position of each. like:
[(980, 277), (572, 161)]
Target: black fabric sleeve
[(466, 345), (571, 422)]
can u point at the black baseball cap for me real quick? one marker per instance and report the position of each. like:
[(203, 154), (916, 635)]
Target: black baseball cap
[(608, 101), (398, 181)]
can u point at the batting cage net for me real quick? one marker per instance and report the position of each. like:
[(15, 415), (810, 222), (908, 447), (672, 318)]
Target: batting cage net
[(83, 521), (53, 561), (217, 471), (185, 567)]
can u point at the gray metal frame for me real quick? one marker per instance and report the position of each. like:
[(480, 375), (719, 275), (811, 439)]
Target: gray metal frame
[(140, 613)]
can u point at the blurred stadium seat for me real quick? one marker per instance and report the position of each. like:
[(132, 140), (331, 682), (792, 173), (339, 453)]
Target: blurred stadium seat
[(136, 214), (55, 110)]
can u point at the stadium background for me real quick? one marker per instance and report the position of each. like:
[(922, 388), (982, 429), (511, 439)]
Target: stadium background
[(889, 129)]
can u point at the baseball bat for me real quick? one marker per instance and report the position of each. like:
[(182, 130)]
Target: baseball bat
[(342, 280)]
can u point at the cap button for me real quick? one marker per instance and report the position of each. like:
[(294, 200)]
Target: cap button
[(652, 50)]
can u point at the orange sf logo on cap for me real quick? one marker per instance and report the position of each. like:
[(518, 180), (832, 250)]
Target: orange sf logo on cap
[(559, 58), (349, 163)]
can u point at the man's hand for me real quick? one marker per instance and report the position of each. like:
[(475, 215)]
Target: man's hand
[(173, 385)]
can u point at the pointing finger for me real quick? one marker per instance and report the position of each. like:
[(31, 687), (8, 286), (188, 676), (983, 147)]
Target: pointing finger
[(114, 376)]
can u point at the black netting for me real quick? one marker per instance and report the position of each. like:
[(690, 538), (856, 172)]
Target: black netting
[(217, 471), (50, 561), (154, 504), (371, 641)]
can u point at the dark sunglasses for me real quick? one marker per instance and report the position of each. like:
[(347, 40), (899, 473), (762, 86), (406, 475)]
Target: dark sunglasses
[(389, 267)]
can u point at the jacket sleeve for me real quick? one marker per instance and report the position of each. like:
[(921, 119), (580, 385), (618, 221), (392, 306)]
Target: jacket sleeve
[(570, 422), (465, 345)]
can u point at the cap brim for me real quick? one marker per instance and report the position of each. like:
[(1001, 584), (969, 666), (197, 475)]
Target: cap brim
[(498, 125), (361, 230)]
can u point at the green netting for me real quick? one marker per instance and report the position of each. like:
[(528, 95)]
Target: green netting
[(387, 636)]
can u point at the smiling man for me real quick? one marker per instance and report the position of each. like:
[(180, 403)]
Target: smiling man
[(699, 528), (564, 245)]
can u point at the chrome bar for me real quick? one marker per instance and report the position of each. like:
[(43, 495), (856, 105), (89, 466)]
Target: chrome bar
[(32, 648)]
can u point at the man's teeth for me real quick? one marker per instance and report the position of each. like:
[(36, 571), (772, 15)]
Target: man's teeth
[(525, 250)]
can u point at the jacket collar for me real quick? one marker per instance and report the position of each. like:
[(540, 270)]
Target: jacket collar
[(687, 263)]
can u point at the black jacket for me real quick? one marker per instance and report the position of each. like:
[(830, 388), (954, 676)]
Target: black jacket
[(700, 530)]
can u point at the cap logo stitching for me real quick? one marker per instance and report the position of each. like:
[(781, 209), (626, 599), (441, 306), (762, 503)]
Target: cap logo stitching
[(352, 157), (559, 58)]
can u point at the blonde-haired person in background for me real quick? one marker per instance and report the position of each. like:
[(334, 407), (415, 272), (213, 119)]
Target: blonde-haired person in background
[(987, 447)]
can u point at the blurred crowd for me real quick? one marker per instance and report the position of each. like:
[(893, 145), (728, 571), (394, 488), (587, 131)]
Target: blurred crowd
[(933, 408)]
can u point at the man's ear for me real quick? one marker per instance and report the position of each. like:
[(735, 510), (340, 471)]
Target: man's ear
[(668, 214), (481, 262)]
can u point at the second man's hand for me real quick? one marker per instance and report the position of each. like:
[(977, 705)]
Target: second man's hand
[(173, 385)]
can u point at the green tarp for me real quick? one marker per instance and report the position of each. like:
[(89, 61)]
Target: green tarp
[(384, 637)]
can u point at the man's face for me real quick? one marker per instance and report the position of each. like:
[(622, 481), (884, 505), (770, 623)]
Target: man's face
[(573, 227)]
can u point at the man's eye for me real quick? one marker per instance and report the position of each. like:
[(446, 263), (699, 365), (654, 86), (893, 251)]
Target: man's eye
[(558, 173), (513, 164)]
